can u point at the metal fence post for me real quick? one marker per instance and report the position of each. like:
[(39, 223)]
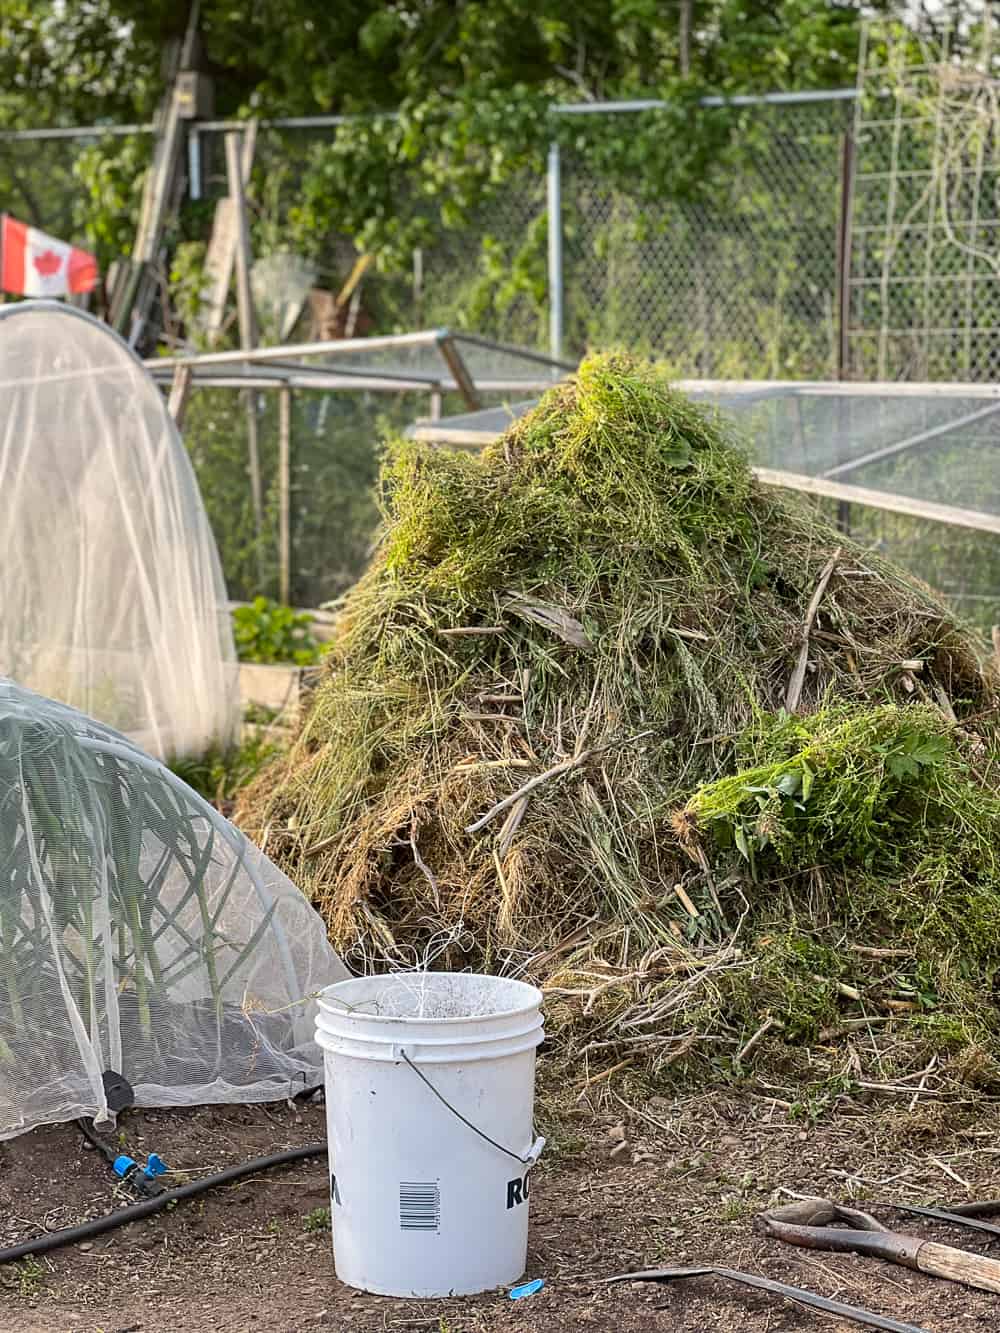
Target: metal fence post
[(284, 494), (844, 256), (554, 196), (194, 162)]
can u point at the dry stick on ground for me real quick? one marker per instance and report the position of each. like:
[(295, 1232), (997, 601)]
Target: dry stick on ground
[(510, 826), (471, 630), (687, 1044), (841, 987), (944, 703), (555, 771), (689, 906), (710, 881), (765, 1027), (605, 1074), (475, 765), (553, 618), (570, 942), (322, 846), (850, 1025), (871, 952), (643, 1115), (581, 740), (494, 717), (923, 1083), (943, 1166), (424, 868), (794, 693)]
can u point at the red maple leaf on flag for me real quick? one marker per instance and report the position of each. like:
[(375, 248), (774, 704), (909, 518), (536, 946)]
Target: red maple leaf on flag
[(47, 263)]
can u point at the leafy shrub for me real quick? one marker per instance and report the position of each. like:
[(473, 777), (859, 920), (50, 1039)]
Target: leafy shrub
[(266, 631)]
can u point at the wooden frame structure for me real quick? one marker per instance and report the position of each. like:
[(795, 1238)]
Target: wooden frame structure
[(448, 366)]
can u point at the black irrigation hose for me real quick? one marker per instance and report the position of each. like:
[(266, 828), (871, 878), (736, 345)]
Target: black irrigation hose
[(54, 1240), (94, 1139)]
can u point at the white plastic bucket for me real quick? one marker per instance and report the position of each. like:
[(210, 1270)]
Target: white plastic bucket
[(420, 1066)]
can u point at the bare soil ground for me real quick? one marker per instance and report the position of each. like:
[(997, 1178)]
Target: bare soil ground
[(682, 1191)]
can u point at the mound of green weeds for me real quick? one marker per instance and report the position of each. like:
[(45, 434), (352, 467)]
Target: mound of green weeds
[(565, 641)]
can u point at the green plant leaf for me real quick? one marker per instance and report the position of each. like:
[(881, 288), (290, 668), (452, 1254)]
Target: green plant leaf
[(740, 838)]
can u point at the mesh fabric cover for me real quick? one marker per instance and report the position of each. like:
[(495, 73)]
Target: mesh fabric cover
[(139, 932), (111, 593)]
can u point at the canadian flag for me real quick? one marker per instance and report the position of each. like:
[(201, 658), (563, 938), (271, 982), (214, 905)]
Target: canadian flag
[(34, 264)]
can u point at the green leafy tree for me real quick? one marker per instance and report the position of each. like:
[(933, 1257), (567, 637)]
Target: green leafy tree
[(470, 82)]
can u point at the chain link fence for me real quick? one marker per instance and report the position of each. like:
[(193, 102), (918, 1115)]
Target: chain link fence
[(925, 275), (741, 282), (62, 180), (743, 286), (486, 276)]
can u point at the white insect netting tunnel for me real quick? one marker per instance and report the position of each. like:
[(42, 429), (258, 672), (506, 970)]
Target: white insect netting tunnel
[(111, 593), (141, 934)]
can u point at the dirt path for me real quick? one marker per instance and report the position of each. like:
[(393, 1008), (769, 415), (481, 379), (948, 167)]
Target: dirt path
[(256, 1255)]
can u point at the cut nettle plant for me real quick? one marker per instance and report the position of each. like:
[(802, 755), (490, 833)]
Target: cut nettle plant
[(607, 713)]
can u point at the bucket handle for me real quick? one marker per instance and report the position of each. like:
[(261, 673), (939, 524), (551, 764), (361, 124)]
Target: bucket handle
[(527, 1159)]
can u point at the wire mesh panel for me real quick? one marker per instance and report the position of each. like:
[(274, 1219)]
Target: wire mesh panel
[(335, 449), (938, 446), (818, 431), (740, 282), (925, 280), (141, 934), (61, 184), (486, 273), (111, 597), (960, 565)]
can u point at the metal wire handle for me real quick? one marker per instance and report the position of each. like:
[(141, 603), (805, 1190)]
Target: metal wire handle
[(529, 1161)]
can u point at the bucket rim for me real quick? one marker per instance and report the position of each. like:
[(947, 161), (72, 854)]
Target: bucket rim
[(534, 1000)]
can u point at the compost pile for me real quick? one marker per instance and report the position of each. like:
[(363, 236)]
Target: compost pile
[(606, 714)]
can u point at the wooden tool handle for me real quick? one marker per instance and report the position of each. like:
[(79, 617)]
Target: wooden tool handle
[(975, 1270)]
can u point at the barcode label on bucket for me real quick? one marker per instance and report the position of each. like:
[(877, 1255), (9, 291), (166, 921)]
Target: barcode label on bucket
[(419, 1206)]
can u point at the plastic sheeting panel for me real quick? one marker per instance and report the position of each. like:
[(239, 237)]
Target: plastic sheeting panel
[(111, 593), (849, 436), (140, 932), (485, 361)]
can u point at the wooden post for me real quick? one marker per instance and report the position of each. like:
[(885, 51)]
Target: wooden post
[(244, 298), (245, 313), (180, 392), (222, 245), (253, 462), (418, 287), (284, 494), (460, 372), (133, 300)]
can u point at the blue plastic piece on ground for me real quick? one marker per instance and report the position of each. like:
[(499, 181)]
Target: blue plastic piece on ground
[(527, 1289), (122, 1165), (155, 1166)]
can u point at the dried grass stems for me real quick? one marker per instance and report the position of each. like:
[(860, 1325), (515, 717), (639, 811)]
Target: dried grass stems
[(558, 646)]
